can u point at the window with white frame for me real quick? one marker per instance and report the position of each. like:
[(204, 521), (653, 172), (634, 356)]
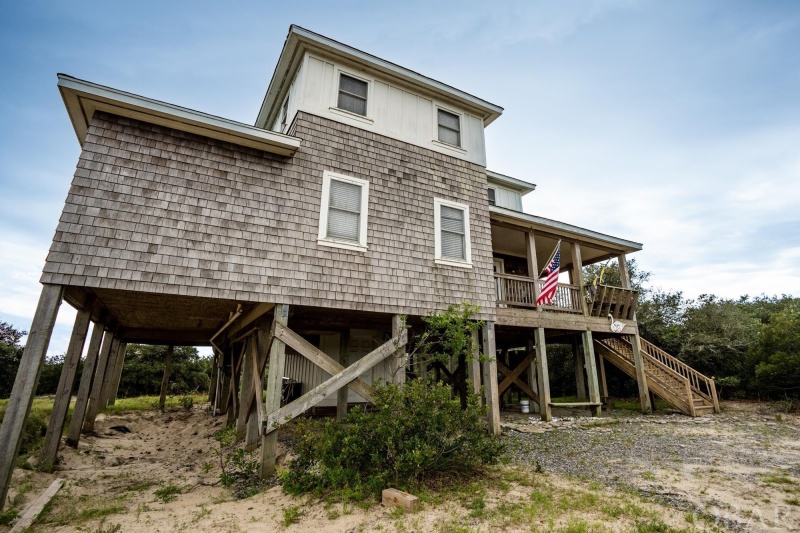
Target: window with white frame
[(451, 222), (352, 95), (343, 214), (492, 196), (449, 127)]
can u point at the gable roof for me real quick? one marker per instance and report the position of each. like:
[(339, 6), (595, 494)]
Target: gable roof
[(300, 39)]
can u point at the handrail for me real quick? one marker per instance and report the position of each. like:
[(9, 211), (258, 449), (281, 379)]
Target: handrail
[(519, 291), (607, 300), (680, 367)]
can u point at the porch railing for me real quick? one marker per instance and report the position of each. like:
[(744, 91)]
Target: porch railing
[(518, 291), (606, 300)]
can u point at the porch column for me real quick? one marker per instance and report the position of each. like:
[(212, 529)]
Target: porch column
[(474, 366), (533, 382), (490, 378), (109, 342), (162, 399), (58, 416), (277, 363), (85, 387), (397, 364), (580, 364), (641, 377), (591, 372), (577, 274), (122, 352), (624, 275), (25, 382), (533, 265), (543, 376)]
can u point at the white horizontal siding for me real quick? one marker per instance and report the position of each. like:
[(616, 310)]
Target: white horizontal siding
[(392, 110)]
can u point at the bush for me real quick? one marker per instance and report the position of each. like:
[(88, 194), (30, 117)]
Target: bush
[(416, 434)]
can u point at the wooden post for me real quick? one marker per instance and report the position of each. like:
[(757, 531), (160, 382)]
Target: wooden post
[(233, 410), (577, 274), (490, 378), (624, 275), (66, 381), (580, 366), (212, 387), (261, 340), (277, 364), (108, 377), (247, 388), (641, 376), (543, 376), (474, 366), (121, 353), (223, 400), (109, 341), (533, 264), (533, 382), (601, 368), (591, 372), (85, 387), (397, 364), (344, 360), (162, 400), (30, 367)]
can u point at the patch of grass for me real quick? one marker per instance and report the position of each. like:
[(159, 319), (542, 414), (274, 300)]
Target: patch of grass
[(656, 526), (8, 515), (793, 501), (168, 492), (291, 515), (150, 403)]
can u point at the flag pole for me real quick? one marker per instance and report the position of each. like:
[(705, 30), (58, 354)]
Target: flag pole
[(552, 255)]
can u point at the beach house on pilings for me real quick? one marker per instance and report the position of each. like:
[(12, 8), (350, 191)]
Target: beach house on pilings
[(361, 193)]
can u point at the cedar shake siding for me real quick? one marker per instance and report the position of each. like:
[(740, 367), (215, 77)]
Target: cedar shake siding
[(157, 210)]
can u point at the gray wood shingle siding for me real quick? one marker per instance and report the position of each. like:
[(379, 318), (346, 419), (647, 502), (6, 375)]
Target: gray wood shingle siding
[(157, 210)]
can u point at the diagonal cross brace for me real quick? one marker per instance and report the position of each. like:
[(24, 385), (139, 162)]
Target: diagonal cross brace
[(513, 376), (334, 383)]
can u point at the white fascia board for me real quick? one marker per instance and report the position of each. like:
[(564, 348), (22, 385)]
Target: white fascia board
[(522, 187), (83, 98), (299, 39), (564, 229)]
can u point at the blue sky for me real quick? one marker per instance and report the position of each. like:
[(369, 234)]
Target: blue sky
[(672, 123)]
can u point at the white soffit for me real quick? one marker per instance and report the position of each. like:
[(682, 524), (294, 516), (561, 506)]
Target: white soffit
[(83, 98), (559, 229), (522, 187)]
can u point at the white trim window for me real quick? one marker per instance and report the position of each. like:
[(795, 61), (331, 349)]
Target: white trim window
[(449, 127), (353, 94), (451, 228), (343, 214)]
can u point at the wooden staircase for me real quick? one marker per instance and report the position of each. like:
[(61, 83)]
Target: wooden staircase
[(680, 385)]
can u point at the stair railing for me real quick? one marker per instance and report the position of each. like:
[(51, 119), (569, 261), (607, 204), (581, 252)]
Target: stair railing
[(701, 384)]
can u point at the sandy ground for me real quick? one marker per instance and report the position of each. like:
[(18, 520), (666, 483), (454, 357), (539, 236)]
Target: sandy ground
[(733, 471)]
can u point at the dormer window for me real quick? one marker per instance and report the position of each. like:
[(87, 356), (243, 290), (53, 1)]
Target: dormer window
[(352, 95), (449, 128)]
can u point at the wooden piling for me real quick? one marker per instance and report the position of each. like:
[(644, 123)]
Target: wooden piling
[(66, 381), (397, 364), (641, 376), (109, 342), (543, 376), (591, 373), (490, 378), (162, 399), (474, 365), (25, 382), (122, 352), (277, 364), (85, 387)]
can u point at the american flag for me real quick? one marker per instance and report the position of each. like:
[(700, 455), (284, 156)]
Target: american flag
[(551, 281)]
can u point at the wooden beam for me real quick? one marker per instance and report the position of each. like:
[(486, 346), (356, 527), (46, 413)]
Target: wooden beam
[(529, 318), (123, 350), (591, 373), (601, 369), (66, 381), (580, 367), (397, 365), (577, 274), (342, 394), (248, 372), (109, 342), (505, 371), (490, 378), (162, 399), (532, 381), (474, 364), (641, 376), (320, 358), (403, 500), (277, 364), (85, 387), (108, 377), (512, 376), (36, 507), (255, 406), (25, 382), (543, 376), (249, 317), (334, 383)]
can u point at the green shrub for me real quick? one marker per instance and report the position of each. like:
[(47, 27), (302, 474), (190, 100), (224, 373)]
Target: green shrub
[(416, 434)]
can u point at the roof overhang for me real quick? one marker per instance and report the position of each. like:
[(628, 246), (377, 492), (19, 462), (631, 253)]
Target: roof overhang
[(557, 229), (83, 98), (522, 187), (300, 39)]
